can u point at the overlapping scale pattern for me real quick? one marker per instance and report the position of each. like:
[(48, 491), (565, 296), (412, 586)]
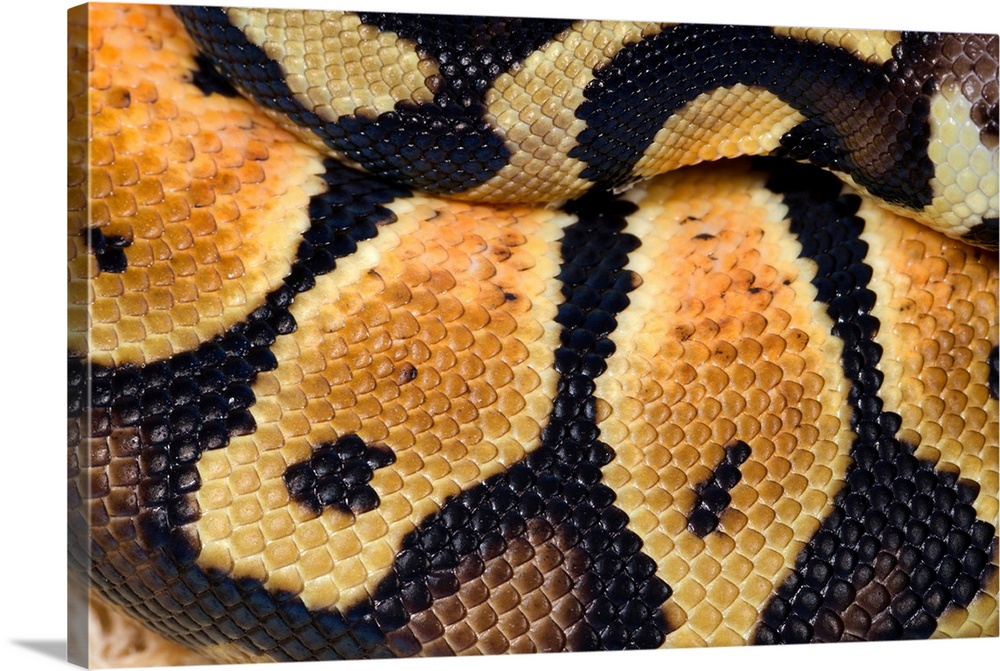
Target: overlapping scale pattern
[(524, 600), (202, 197), (903, 545), (940, 354), (722, 346), (318, 416), (935, 309), (437, 102), (419, 342), (964, 134)]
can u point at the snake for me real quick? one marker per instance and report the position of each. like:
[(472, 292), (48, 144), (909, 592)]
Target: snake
[(403, 334)]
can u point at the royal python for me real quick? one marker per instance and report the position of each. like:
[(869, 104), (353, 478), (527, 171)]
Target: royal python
[(388, 337)]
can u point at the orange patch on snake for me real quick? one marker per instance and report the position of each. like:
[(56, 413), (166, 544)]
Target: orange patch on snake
[(434, 340), (937, 306), (722, 345), (208, 194)]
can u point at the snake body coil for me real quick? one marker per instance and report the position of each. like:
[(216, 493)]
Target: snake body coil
[(389, 337)]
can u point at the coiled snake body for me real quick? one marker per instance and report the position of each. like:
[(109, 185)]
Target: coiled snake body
[(316, 411)]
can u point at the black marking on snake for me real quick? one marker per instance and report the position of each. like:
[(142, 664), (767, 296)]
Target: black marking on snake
[(713, 493), (993, 381), (472, 51), (209, 80), (557, 487), (870, 534), (675, 66), (903, 541), (337, 476), (984, 234), (445, 146), (109, 250), (167, 413)]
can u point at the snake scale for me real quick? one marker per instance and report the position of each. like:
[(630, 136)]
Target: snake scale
[(388, 336)]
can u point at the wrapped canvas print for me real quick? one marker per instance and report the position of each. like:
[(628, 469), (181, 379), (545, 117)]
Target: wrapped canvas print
[(406, 335)]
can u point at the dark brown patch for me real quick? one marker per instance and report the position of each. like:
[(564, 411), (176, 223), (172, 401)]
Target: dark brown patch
[(969, 63), (337, 476), (528, 598), (109, 250), (984, 234), (713, 493), (407, 372)]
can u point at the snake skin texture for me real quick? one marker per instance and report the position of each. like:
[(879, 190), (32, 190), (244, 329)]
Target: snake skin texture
[(340, 388)]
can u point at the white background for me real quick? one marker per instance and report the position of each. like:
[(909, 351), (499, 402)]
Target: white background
[(32, 326)]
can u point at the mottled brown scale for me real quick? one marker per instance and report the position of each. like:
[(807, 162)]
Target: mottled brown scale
[(525, 599)]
